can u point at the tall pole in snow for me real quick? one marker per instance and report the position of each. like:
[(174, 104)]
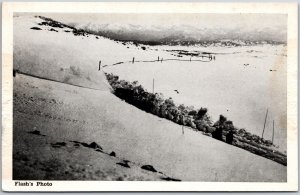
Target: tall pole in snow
[(153, 86), (264, 124), (99, 64), (273, 133)]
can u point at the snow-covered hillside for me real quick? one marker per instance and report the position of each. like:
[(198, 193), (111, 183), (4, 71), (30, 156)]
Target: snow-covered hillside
[(62, 113), (59, 55)]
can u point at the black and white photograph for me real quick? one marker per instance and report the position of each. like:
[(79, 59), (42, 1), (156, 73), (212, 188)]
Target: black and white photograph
[(141, 96)]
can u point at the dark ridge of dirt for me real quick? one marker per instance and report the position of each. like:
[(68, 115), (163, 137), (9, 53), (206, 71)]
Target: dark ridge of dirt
[(35, 28), (76, 145), (52, 29), (76, 142), (98, 150), (58, 144), (94, 145), (36, 132), (112, 154), (85, 144), (124, 163), (169, 179), (148, 168)]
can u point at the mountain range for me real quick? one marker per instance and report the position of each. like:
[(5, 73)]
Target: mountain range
[(185, 34)]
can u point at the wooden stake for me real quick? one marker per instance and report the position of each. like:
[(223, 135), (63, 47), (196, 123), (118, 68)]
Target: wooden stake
[(264, 124), (99, 64), (273, 133), (153, 86)]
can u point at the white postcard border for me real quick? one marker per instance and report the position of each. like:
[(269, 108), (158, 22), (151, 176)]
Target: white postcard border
[(142, 7)]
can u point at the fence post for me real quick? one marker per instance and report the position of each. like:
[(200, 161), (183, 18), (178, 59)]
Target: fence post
[(273, 134), (153, 86), (99, 64), (262, 135)]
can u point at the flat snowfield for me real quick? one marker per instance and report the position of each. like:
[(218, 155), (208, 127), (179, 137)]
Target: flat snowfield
[(55, 123)]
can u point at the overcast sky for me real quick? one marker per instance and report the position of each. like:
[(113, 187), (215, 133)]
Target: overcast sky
[(248, 26)]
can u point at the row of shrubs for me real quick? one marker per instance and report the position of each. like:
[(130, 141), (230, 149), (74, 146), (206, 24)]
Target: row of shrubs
[(135, 94), (55, 24), (198, 119)]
